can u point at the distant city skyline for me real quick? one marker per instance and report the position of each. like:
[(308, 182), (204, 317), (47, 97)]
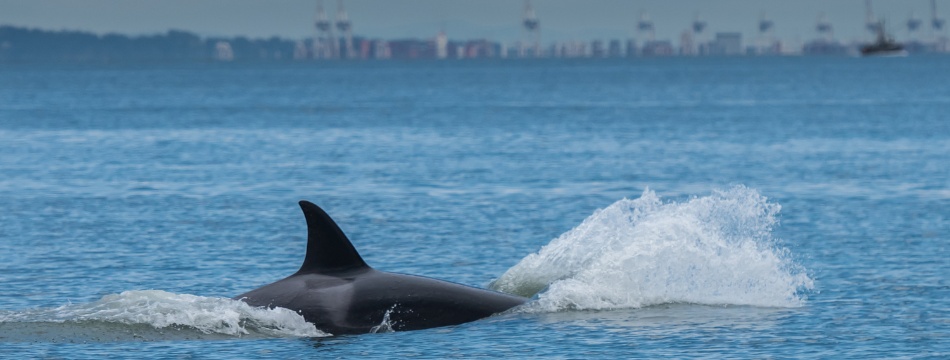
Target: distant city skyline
[(498, 20)]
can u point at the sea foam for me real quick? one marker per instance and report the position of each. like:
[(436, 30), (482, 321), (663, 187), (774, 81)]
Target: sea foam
[(714, 250), (155, 309)]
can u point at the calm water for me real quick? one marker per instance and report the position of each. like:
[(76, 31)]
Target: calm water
[(751, 207)]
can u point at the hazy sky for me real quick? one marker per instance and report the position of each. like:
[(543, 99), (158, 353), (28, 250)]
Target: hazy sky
[(462, 19)]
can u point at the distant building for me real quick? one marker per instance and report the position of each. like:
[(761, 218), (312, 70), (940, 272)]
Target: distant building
[(726, 44), (366, 49), (479, 49), (597, 49), (631, 48), (614, 49), (412, 49), (571, 49), (381, 49), (657, 48), (773, 48), (791, 47), (942, 45), (916, 47), (441, 45), (223, 51), (824, 47), (687, 48), (300, 50), (458, 50), (702, 48)]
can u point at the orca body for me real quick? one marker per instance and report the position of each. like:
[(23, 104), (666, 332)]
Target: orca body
[(338, 293)]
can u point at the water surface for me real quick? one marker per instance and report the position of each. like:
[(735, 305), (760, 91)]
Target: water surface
[(774, 206)]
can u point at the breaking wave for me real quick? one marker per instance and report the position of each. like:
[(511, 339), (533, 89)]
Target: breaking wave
[(713, 250), (153, 315)]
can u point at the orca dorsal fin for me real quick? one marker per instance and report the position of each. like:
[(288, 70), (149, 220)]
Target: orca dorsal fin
[(328, 249)]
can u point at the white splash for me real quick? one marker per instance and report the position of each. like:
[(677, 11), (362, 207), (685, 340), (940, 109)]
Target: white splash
[(713, 250), (164, 310), (385, 326)]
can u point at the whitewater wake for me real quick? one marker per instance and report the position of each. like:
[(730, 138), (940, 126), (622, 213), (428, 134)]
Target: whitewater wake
[(713, 250), (153, 315)]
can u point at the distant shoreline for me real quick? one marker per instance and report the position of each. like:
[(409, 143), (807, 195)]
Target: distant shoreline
[(19, 44)]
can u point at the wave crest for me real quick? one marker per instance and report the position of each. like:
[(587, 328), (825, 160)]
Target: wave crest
[(144, 311), (713, 250)]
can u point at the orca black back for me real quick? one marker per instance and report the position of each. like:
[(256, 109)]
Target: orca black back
[(339, 293), (328, 249)]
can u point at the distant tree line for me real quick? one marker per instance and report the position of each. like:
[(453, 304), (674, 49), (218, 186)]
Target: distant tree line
[(18, 43)]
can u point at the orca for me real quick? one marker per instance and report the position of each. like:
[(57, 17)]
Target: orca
[(338, 293)]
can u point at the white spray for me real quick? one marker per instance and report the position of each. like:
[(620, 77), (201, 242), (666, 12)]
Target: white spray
[(714, 250), (160, 309)]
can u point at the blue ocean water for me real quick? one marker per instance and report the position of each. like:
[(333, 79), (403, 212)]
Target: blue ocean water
[(718, 207)]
